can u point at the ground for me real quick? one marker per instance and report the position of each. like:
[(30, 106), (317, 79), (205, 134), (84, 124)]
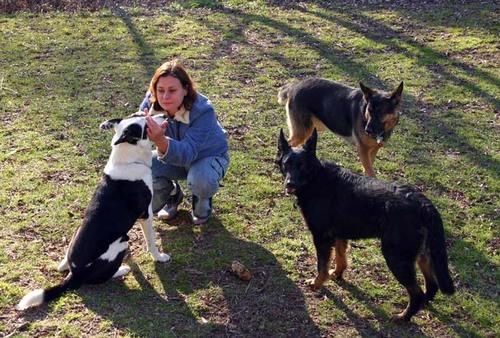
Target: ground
[(64, 69)]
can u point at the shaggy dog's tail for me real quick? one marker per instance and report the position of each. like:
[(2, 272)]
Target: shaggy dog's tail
[(40, 296), (283, 93), (437, 246)]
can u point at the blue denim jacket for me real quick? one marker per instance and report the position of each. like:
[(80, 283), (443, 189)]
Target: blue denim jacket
[(202, 137)]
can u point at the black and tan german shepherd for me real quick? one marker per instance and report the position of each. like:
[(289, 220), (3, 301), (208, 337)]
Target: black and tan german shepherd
[(338, 205), (365, 117)]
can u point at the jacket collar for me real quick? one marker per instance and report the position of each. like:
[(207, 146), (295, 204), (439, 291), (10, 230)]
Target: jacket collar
[(182, 115)]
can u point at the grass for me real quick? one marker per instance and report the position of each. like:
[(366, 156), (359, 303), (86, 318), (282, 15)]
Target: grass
[(61, 74)]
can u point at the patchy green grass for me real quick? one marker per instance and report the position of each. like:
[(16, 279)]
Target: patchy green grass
[(62, 74)]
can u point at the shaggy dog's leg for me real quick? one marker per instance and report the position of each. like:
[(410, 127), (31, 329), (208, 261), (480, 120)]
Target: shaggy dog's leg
[(341, 246), (417, 300), (324, 254), (431, 285), (403, 269)]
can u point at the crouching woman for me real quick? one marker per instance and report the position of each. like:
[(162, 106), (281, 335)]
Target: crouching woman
[(191, 145)]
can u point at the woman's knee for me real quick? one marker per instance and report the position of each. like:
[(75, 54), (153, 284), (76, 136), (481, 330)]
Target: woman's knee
[(203, 186), (204, 175)]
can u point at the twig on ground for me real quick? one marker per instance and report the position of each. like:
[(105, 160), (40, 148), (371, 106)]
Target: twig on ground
[(6, 88), (20, 327)]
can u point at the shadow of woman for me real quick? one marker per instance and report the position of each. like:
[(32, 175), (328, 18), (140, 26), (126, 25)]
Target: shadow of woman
[(269, 304), (201, 296)]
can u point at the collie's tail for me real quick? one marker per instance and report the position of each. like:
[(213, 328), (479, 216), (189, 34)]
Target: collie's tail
[(40, 296)]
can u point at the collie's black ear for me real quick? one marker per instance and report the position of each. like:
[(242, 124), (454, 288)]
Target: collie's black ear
[(367, 91), (310, 145), (396, 94), (131, 134), (283, 145), (106, 125), (125, 137)]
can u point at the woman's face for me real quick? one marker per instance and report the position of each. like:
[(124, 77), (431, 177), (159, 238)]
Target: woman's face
[(170, 93)]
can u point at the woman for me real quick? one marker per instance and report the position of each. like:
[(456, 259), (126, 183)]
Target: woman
[(190, 145)]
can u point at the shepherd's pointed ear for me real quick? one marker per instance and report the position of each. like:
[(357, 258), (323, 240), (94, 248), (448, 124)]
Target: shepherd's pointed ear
[(396, 94), (106, 125), (310, 145), (367, 91), (283, 145)]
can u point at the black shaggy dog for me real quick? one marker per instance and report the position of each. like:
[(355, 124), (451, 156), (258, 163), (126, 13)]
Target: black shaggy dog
[(338, 205)]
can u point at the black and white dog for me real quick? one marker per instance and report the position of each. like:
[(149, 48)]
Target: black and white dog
[(123, 197)]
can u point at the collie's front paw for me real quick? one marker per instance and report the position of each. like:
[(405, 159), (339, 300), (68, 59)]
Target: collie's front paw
[(162, 257), (63, 266)]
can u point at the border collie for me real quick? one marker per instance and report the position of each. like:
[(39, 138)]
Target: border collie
[(123, 197)]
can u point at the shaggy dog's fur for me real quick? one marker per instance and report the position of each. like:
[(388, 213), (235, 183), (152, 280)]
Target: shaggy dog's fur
[(338, 205)]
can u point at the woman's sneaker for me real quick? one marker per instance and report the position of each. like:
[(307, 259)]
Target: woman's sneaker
[(169, 211), (201, 220)]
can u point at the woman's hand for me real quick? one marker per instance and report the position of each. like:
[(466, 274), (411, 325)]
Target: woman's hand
[(156, 133)]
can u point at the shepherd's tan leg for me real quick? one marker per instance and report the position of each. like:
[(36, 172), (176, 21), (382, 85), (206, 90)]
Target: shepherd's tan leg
[(364, 156), (300, 127), (373, 154)]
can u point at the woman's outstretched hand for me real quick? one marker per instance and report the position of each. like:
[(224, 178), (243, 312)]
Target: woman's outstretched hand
[(156, 133)]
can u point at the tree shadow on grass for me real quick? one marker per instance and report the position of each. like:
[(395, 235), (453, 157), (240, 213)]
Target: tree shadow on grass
[(381, 33), (457, 14), (448, 137), (199, 296), (363, 325), (393, 328), (424, 55), (147, 56)]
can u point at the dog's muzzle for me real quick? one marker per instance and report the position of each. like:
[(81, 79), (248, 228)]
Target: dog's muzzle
[(379, 137), (290, 188)]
